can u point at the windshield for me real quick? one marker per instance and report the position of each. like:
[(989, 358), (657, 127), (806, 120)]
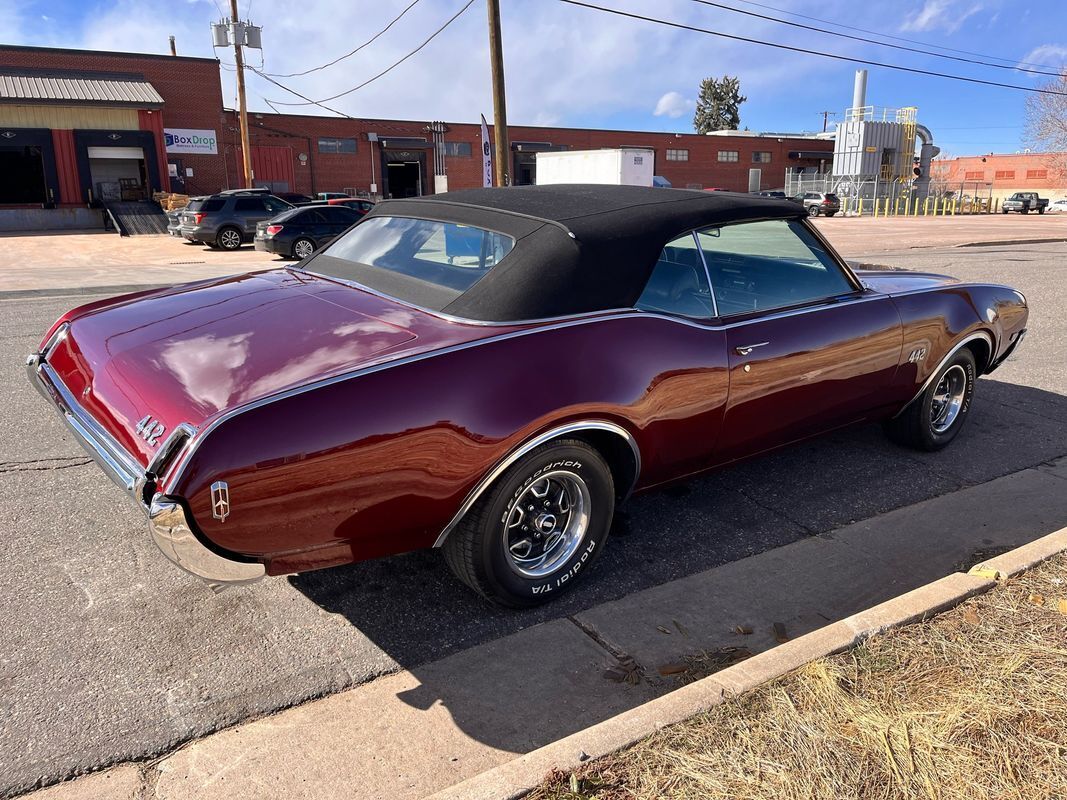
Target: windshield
[(420, 261)]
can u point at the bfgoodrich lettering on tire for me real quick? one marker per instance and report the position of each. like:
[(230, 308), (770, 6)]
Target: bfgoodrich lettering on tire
[(936, 417), (538, 529)]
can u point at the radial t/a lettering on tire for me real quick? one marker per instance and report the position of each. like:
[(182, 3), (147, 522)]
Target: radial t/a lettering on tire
[(538, 529)]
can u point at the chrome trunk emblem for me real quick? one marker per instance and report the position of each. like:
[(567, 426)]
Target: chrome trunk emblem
[(220, 500), (150, 430)]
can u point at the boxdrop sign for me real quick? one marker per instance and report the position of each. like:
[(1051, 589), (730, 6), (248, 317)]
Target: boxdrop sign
[(183, 140)]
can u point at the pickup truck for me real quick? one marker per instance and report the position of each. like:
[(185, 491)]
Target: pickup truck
[(1024, 203)]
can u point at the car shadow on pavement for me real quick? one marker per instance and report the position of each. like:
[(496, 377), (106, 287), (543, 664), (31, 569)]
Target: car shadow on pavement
[(418, 613)]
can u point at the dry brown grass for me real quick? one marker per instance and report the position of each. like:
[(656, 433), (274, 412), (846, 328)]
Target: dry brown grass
[(972, 704)]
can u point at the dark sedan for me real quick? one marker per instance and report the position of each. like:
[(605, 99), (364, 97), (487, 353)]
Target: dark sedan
[(300, 232)]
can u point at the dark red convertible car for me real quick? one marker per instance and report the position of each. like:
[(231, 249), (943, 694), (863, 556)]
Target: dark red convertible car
[(491, 371)]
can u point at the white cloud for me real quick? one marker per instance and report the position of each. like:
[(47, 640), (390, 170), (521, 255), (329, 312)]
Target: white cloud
[(564, 65), (1054, 55), (946, 15), (673, 105)]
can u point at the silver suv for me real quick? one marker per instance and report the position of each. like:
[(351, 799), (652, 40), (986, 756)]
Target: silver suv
[(228, 219)]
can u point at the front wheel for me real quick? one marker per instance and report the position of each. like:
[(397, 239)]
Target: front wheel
[(935, 417), (538, 529)]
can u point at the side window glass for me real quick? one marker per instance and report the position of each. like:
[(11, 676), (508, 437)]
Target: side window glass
[(248, 204), (213, 204), (678, 284), (756, 266)]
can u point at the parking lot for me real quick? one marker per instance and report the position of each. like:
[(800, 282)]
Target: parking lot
[(110, 654)]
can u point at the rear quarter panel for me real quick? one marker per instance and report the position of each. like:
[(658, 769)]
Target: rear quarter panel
[(379, 463)]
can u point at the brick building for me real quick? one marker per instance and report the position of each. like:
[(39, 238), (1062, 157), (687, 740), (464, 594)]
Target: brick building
[(78, 128), (1003, 175)]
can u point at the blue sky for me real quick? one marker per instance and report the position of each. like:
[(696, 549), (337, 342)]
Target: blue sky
[(576, 67)]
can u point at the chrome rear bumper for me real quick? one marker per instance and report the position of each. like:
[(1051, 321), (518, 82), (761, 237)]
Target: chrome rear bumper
[(167, 521)]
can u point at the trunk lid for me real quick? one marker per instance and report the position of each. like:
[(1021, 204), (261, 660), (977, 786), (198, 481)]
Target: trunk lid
[(186, 354)]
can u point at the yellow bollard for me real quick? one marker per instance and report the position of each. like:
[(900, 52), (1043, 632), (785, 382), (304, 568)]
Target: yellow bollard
[(915, 213), (926, 206), (859, 208), (876, 208), (953, 212)]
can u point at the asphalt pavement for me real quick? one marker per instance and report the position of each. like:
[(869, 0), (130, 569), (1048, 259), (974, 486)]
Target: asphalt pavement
[(110, 654)]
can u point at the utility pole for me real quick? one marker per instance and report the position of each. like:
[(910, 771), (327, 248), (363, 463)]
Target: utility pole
[(238, 57), (500, 113), (825, 116)]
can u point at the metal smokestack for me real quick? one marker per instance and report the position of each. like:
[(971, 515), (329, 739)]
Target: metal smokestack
[(859, 89), (173, 46)]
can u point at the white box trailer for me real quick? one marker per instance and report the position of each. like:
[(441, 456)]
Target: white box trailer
[(621, 167)]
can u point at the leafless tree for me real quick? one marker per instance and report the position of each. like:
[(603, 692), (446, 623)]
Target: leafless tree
[(1046, 121)]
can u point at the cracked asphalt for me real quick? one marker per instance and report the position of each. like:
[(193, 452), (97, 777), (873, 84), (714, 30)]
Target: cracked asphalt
[(110, 654)]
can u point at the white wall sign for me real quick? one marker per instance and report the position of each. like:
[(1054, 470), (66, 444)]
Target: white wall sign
[(185, 140)]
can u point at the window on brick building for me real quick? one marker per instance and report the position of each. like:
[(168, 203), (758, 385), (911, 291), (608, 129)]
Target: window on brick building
[(677, 155), (1004, 174), (457, 149), (331, 145), (761, 157), (974, 175), (1036, 174), (729, 155)]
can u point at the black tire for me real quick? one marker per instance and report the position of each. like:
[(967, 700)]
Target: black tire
[(229, 238), (1005, 211), (917, 425), (1041, 211), (477, 550), (1026, 211), (814, 211), (303, 241), (830, 213)]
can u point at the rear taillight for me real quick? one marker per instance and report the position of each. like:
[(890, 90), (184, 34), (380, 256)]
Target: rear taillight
[(274, 230), (197, 218), (826, 201)]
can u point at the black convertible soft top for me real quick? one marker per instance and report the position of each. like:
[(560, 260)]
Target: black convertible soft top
[(578, 247)]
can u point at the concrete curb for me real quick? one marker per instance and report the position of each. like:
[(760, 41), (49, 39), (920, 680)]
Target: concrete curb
[(1003, 242), (519, 776)]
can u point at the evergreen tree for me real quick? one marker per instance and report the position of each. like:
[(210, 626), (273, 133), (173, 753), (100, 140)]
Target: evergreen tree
[(718, 106)]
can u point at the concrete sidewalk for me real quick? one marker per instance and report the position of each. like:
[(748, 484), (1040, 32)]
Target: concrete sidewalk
[(416, 732)]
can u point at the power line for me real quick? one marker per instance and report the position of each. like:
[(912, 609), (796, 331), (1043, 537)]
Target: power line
[(395, 20), (872, 41), (385, 71), (820, 53), (890, 36), (273, 103)]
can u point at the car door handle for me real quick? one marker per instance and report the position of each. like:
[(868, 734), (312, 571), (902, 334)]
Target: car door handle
[(745, 349)]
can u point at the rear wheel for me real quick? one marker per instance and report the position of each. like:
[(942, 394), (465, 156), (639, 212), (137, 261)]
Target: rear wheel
[(1041, 211), (538, 529), (303, 247), (228, 238), (935, 418), (814, 211)]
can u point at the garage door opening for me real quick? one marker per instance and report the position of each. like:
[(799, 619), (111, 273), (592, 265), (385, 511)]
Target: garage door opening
[(118, 173), (23, 181), (405, 178)]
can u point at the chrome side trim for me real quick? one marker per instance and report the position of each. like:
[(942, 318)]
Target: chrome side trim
[(178, 471), (707, 274), (174, 537), (948, 356), (530, 444)]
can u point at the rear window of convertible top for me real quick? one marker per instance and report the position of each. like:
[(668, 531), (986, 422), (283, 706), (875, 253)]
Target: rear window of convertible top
[(421, 261)]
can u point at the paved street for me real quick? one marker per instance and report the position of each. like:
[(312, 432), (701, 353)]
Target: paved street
[(110, 654)]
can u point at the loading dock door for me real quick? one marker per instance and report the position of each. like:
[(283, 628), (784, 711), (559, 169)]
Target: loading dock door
[(22, 168), (113, 169), (403, 173)]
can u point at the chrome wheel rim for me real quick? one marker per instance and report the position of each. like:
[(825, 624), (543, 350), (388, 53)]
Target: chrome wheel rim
[(230, 240), (303, 248), (547, 524), (948, 398)]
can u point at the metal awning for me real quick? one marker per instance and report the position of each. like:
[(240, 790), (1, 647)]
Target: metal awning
[(78, 88)]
